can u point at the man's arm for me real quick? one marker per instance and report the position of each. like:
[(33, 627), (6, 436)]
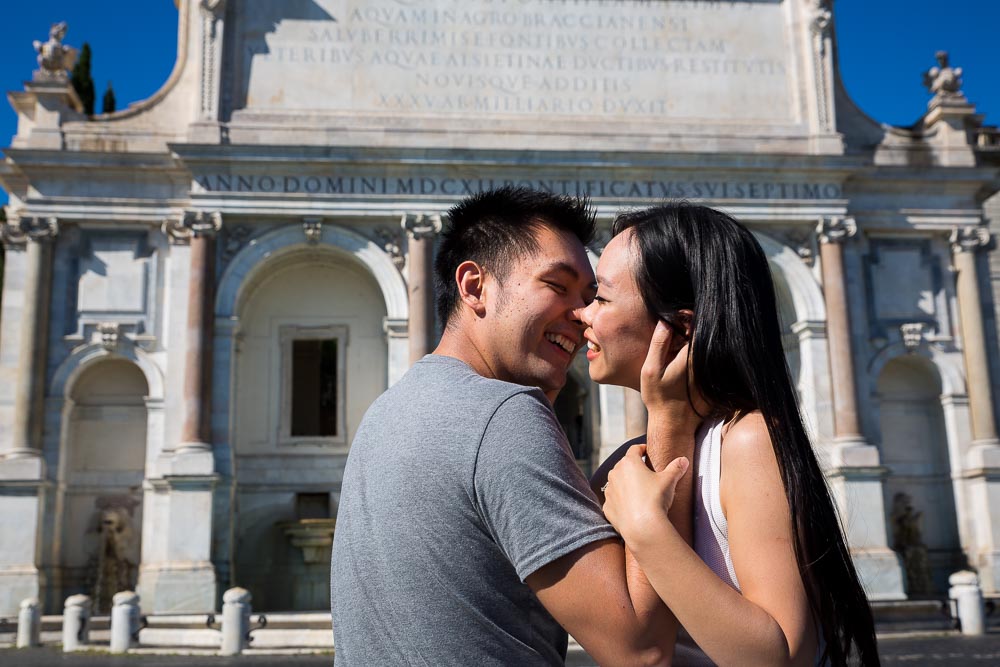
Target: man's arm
[(599, 595)]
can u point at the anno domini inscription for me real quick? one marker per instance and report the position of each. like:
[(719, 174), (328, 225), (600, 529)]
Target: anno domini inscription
[(652, 59)]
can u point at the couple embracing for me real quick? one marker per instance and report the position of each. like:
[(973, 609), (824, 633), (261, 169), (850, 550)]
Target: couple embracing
[(467, 534)]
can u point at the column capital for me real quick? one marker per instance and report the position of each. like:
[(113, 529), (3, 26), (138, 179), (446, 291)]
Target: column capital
[(421, 225), (835, 229), (969, 239), (194, 224), (19, 229), (213, 7)]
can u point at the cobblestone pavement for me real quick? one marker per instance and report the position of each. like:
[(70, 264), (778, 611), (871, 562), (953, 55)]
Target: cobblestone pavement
[(936, 651)]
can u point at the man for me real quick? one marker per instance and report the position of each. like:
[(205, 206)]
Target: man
[(466, 534)]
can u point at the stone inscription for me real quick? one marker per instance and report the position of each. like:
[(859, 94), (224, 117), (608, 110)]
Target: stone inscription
[(654, 59), (597, 188)]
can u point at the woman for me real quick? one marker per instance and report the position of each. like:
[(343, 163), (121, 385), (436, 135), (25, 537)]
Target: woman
[(769, 579)]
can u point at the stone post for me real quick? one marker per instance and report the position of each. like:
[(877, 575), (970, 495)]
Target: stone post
[(968, 598), (982, 472), (855, 473), (76, 622), (235, 621), (195, 432), (124, 622), (29, 624), (421, 230), (36, 234)]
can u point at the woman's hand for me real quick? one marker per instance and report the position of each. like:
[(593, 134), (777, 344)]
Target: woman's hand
[(636, 498), (665, 382)]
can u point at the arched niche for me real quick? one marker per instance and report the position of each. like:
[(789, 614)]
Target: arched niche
[(103, 454), (919, 492)]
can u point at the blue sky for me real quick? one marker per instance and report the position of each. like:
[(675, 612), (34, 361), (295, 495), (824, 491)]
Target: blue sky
[(885, 45)]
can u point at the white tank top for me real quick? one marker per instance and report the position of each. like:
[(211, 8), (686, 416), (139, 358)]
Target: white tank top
[(711, 532)]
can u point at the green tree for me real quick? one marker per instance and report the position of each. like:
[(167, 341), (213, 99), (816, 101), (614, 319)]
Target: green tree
[(108, 103), (83, 83)]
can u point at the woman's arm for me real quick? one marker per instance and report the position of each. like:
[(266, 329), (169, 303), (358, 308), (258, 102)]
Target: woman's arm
[(769, 623)]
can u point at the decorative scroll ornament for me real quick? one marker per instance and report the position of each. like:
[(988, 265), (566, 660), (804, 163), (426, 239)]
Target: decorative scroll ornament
[(110, 335), (203, 223), (215, 7), (391, 242), (822, 16), (421, 225), (194, 224), (944, 81), (913, 334), (54, 57), (836, 229), (969, 239), (313, 228), (18, 229)]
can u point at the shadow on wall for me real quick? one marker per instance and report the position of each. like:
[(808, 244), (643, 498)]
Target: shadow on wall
[(252, 33)]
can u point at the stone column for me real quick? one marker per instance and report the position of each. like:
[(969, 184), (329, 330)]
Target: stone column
[(855, 473), (832, 233), (35, 235), (982, 472), (421, 229), (28, 270), (965, 244), (176, 574), (196, 431)]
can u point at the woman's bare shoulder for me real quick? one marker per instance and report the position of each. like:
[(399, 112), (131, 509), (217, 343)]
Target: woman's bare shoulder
[(746, 440), (749, 465)]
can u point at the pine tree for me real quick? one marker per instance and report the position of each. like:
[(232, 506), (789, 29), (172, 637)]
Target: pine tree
[(82, 81), (108, 103)]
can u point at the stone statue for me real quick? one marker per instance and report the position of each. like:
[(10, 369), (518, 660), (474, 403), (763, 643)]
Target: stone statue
[(908, 542), (54, 57), (113, 568), (944, 80)]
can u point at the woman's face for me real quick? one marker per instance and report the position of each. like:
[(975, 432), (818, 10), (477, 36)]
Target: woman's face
[(619, 327)]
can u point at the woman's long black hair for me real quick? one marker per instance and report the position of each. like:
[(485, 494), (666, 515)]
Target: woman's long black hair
[(697, 258)]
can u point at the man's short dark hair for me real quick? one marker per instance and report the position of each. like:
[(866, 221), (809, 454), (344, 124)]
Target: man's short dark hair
[(497, 227)]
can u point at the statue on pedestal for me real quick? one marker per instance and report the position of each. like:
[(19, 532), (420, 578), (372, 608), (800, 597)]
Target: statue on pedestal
[(944, 81), (54, 57)]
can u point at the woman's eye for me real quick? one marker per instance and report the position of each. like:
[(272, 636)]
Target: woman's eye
[(600, 299)]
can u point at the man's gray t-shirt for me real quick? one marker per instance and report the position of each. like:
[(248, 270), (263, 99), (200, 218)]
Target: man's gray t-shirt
[(456, 489)]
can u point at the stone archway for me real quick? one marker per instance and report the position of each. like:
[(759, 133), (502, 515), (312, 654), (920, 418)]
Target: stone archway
[(286, 310)]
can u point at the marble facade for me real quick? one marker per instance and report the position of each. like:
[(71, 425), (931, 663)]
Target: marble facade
[(286, 184)]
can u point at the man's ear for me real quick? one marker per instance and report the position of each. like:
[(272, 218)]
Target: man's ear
[(471, 279)]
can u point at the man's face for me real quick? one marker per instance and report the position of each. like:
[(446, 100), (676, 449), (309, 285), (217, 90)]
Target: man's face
[(530, 331)]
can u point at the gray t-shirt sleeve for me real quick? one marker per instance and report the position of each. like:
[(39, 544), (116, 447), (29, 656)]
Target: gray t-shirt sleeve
[(530, 493)]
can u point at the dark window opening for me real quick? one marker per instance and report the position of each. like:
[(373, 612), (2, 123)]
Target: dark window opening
[(312, 505), (314, 387)]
